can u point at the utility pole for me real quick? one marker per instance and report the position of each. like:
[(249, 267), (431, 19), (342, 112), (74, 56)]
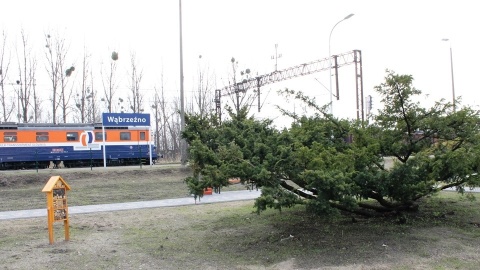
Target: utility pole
[(451, 71), (183, 143)]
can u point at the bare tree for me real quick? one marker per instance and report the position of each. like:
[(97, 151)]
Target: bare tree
[(86, 101), (53, 72), (93, 114), (204, 93), (60, 73), (65, 91), (162, 121), (6, 101), (157, 117), (135, 98), (174, 128), (82, 96), (26, 68), (165, 115), (167, 126), (239, 96), (110, 83), (37, 105), (54, 47)]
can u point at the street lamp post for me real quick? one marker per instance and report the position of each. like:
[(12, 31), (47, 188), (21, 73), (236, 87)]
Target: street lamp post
[(451, 70), (329, 55)]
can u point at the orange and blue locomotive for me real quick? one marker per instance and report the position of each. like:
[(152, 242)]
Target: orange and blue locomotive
[(26, 145)]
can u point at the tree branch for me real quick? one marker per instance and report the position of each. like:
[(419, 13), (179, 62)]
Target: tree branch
[(292, 189), (357, 211), (452, 185)]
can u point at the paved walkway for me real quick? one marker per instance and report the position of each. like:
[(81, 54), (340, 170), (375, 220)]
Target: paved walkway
[(227, 196), (73, 210)]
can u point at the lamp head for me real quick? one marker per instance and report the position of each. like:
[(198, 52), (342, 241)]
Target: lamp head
[(349, 16)]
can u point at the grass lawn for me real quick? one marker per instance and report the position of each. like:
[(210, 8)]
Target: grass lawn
[(443, 234)]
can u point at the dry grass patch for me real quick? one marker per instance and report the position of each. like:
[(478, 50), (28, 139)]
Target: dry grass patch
[(443, 235)]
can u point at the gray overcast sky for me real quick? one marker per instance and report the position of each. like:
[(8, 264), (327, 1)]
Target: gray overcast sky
[(403, 36)]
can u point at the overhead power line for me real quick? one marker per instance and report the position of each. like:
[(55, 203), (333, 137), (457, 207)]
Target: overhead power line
[(340, 60)]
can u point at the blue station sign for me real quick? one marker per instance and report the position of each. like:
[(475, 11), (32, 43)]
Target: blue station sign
[(125, 119)]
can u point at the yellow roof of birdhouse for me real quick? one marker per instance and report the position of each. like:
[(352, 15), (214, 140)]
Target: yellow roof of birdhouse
[(52, 182)]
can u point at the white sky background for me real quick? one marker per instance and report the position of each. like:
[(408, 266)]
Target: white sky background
[(403, 36)]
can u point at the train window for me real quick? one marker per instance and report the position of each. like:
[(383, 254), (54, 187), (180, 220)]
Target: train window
[(142, 135), (10, 136), (72, 136), (42, 136), (125, 136), (98, 136)]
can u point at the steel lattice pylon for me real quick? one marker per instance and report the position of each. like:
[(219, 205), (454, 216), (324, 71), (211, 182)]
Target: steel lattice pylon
[(340, 60)]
